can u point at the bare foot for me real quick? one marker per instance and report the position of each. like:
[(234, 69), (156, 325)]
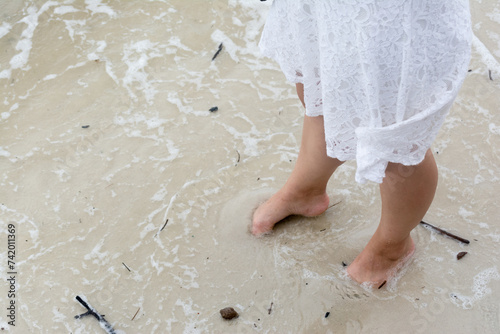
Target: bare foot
[(374, 266), (283, 204)]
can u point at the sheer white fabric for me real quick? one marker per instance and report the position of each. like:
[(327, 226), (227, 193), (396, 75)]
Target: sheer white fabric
[(383, 73)]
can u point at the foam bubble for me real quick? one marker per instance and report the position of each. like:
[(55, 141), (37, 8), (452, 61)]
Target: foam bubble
[(70, 26), (64, 10), (96, 253), (306, 273), (96, 7), (480, 288), (20, 59), (160, 194), (136, 57), (464, 212), (486, 57), (494, 128), (5, 74), (494, 16), (101, 45), (24, 45), (481, 281), (49, 77), (4, 153), (4, 29)]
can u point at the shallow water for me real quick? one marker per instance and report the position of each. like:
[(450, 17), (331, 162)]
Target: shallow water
[(88, 203)]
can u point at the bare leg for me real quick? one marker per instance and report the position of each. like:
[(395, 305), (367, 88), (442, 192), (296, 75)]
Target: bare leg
[(305, 191), (407, 193)]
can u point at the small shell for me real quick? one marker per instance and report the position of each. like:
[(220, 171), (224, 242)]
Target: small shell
[(461, 255)]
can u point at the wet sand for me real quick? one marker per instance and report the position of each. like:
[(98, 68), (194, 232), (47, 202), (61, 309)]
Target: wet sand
[(90, 204)]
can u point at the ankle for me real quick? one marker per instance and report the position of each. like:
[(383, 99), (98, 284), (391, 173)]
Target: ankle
[(392, 250), (295, 192)]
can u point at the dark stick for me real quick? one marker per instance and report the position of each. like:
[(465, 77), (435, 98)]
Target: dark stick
[(135, 314), (92, 311), (335, 204), (83, 315), (489, 74), (164, 225), (465, 241), (89, 311), (218, 51), (238, 156), (381, 285), (126, 266), (270, 308)]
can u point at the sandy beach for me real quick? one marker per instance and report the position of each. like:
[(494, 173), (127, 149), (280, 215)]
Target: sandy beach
[(119, 185)]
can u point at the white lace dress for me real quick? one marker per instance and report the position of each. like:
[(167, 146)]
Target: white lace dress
[(383, 73)]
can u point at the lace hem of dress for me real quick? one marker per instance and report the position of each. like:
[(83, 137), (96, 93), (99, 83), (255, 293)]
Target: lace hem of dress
[(382, 74)]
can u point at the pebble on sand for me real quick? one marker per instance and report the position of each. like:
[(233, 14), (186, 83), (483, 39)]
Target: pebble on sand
[(228, 313)]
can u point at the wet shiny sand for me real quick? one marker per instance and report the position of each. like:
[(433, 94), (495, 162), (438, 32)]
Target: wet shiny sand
[(90, 204)]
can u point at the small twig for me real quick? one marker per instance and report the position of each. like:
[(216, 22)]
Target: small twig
[(489, 74), (135, 314), (126, 266), (172, 199), (335, 204), (83, 315), (166, 214), (218, 51), (238, 156), (164, 225), (381, 285), (270, 308), (89, 310), (92, 311), (465, 241)]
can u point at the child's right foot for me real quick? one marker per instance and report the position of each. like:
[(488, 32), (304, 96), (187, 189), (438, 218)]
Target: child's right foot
[(282, 205), (374, 265)]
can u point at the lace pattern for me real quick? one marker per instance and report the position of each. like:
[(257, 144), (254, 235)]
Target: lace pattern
[(382, 73)]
